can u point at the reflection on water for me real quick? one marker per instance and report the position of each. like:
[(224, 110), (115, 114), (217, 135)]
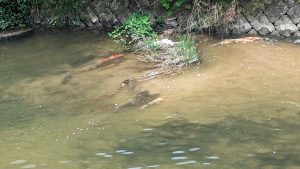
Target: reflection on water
[(237, 110)]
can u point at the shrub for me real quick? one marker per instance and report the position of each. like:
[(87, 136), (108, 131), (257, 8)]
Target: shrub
[(13, 13), (58, 13), (135, 28)]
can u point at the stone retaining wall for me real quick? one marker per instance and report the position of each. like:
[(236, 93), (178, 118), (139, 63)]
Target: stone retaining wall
[(281, 18)]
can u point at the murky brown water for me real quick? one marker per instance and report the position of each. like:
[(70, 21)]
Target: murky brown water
[(239, 109)]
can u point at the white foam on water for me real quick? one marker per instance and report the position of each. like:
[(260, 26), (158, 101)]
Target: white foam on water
[(66, 161), (178, 158), (212, 157), (29, 166), (108, 156), (153, 166), (187, 162), (135, 168), (18, 162), (100, 154), (121, 151), (194, 149), (178, 152)]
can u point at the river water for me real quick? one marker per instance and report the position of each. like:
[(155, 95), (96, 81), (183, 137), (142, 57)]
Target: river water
[(240, 108)]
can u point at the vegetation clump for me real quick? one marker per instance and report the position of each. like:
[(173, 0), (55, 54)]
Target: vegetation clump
[(13, 13), (138, 35), (135, 28)]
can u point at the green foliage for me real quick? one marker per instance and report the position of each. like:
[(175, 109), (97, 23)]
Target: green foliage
[(13, 13), (174, 5), (186, 47), (59, 13), (136, 28)]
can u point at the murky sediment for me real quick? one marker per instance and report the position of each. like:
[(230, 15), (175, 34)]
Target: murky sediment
[(239, 109)]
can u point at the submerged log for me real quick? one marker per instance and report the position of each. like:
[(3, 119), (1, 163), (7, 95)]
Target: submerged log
[(240, 40), (101, 62), (69, 75)]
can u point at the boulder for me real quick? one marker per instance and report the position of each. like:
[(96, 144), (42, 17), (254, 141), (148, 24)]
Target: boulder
[(285, 26), (290, 3), (298, 26), (108, 19), (275, 34), (252, 32), (275, 10), (294, 14), (241, 26), (261, 24)]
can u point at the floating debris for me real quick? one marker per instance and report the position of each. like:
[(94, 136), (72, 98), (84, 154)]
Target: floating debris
[(18, 162), (187, 162), (127, 153), (148, 129), (178, 158), (156, 101)]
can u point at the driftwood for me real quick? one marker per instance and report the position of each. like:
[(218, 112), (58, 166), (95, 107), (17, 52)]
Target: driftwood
[(240, 40), (15, 34), (69, 75)]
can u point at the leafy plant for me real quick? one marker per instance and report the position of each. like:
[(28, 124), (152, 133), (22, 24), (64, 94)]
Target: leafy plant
[(173, 5), (135, 28), (13, 13), (186, 47)]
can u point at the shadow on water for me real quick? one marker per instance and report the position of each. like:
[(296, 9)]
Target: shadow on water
[(48, 53), (231, 143)]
